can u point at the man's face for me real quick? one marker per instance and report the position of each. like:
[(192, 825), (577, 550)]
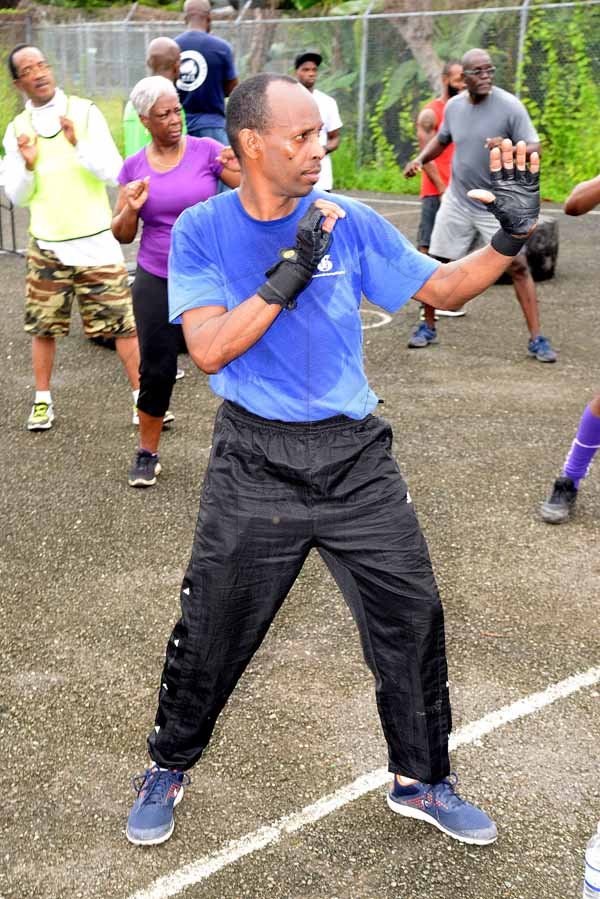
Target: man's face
[(455, 81), (307, 74), (292, 154), (34, 76), (479, 74)]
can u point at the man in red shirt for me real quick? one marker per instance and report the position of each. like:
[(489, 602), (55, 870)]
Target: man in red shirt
[(435, 179)]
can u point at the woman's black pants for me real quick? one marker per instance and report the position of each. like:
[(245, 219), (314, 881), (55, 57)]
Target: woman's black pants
[(158, 340)]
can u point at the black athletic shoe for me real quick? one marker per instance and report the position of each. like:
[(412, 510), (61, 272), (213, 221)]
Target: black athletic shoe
[(144, 470), (561, 502)]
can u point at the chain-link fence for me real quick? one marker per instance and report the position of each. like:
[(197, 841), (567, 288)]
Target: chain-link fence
[(381, 67)]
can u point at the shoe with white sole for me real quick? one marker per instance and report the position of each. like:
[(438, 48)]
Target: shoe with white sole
[(41, 417), (144, 470), (439, 804), (151, 819)]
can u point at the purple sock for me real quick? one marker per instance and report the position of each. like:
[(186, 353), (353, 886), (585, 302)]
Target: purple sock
[(583, 448)]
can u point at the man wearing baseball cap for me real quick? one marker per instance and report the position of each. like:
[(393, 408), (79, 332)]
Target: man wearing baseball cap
[(306, 65)]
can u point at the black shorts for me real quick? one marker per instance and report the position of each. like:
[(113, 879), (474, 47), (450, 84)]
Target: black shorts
[(429, 208)]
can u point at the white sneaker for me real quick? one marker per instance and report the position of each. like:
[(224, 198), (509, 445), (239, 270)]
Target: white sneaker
[(41, 417), (180, 374)]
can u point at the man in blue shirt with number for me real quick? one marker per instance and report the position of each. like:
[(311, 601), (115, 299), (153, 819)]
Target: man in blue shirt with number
[(298, 458)]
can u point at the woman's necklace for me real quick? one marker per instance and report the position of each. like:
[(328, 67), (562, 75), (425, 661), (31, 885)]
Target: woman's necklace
[(169, 165)]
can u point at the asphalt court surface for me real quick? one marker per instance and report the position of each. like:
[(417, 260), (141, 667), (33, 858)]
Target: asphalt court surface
[(90, 584)]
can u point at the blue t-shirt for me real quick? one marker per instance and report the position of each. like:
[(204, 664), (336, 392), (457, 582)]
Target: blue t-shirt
[(308, 365), (206, 64)]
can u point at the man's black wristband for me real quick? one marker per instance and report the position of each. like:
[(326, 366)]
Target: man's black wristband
[(272, 296), (507, 244)]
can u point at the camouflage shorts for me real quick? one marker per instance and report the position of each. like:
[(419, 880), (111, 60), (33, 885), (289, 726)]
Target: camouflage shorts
[(102, 293)]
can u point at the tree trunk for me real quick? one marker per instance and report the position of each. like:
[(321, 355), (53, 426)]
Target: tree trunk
[(417, 33), (262, 39)]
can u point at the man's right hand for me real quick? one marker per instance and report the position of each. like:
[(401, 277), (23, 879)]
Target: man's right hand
[(412, 168), (287, 278), (27, 147), (136, 193)]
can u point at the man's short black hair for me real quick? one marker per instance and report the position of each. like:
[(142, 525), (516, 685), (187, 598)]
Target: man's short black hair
[(247, 106), (11, 58), (448, 65)]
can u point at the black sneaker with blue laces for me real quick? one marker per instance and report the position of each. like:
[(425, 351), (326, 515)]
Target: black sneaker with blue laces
[(158, 790), (440, 805)]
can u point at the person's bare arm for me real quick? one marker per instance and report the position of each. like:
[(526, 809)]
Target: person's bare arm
[(432, 150), (215, 336), (333, 140), (583, 197), (231, 173), (228, 86), (132, 197), (426, 129), (454, 283), (516, 205)]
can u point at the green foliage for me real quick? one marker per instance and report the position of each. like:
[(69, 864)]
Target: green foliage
[(112, 110), (563, 97), (347, 176), (381, 172), (10, 103)]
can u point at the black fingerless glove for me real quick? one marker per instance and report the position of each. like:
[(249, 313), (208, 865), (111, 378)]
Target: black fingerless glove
[(287, 278), (517, 207)]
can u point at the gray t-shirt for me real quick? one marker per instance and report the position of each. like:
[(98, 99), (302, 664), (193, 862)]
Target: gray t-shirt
[(469, 125)]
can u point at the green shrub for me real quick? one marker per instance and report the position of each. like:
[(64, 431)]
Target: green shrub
[(10, 102), (562, 71), (112, 110)]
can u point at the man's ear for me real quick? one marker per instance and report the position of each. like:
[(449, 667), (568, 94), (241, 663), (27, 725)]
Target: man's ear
[(251, 143)]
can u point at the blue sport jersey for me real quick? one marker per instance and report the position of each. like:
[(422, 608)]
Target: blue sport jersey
[(206, 64), (308, 365)]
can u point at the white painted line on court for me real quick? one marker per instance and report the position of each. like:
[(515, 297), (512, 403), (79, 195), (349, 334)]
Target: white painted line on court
[(188, 875), (557, 210), (377, 318)]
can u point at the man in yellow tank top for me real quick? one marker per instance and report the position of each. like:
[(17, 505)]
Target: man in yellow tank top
[(59, 157)]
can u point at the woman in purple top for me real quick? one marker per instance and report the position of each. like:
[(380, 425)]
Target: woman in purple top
[(157, 184)]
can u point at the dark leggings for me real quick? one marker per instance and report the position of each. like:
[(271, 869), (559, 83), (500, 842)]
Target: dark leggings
[(159, 342)]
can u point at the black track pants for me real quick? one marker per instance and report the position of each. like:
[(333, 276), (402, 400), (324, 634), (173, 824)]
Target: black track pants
[(272, 491)]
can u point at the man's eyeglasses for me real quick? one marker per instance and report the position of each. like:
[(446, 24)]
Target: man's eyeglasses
[(482, 70), (40, 66)]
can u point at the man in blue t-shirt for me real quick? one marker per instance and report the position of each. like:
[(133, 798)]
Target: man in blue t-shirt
[(298, 459), (207, 73)]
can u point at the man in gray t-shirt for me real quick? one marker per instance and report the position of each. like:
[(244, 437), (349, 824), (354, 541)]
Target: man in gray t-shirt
[(477, 120)]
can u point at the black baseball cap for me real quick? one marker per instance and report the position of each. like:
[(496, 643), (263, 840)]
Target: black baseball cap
[(308, 56)]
